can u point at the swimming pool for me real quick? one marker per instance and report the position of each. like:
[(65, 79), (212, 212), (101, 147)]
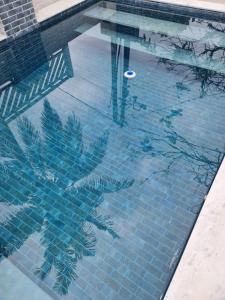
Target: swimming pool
[(103, 177)]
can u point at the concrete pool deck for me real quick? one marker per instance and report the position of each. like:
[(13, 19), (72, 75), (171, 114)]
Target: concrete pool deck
[(217, 5), (47, 9)]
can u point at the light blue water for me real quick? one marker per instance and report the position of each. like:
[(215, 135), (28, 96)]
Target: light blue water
[(102, 177)]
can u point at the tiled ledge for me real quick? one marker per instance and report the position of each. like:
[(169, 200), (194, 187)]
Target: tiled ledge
[(214, 5), (200, 273)]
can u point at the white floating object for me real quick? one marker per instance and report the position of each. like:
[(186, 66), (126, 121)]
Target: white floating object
[(129, 74)]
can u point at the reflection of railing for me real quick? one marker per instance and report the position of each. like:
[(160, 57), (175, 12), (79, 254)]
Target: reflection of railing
[(15, 99)]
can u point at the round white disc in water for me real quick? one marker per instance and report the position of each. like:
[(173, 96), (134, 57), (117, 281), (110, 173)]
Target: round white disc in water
[(130, 74)]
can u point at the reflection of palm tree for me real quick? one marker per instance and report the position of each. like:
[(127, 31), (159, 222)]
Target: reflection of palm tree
[(57, 200)]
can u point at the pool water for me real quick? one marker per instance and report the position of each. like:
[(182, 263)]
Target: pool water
[(103, 177)]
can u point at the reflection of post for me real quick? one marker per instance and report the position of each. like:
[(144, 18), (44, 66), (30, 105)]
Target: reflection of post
[(116, 32), (115, 51), (125, 91), (119, 110), (68, 63)]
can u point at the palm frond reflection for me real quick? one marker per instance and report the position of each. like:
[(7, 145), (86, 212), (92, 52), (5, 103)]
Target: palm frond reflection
[(45, 179)]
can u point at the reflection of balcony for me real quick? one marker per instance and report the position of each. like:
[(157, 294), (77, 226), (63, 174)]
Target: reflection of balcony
[(16, 99), (35, 65)]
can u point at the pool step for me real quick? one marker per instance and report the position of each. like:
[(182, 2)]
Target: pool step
[(110, 32), (192, 30)]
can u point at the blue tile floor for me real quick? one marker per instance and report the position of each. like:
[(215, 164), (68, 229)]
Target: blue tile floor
[(107, 175)]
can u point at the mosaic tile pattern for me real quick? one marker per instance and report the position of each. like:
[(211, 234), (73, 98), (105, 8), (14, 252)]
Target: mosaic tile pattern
[(102, 178)]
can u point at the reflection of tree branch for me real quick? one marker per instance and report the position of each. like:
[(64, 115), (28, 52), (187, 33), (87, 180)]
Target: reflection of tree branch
[(210, 51), (202, 161), (210, 80), (218, 27)]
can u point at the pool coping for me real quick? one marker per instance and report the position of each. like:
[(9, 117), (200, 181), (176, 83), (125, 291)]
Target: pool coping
[(66, 13), (55, 8), (199, 4)]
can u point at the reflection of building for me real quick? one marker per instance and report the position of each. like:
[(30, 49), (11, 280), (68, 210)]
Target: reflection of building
[(120, 63), (16, 99), (21, 59)]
